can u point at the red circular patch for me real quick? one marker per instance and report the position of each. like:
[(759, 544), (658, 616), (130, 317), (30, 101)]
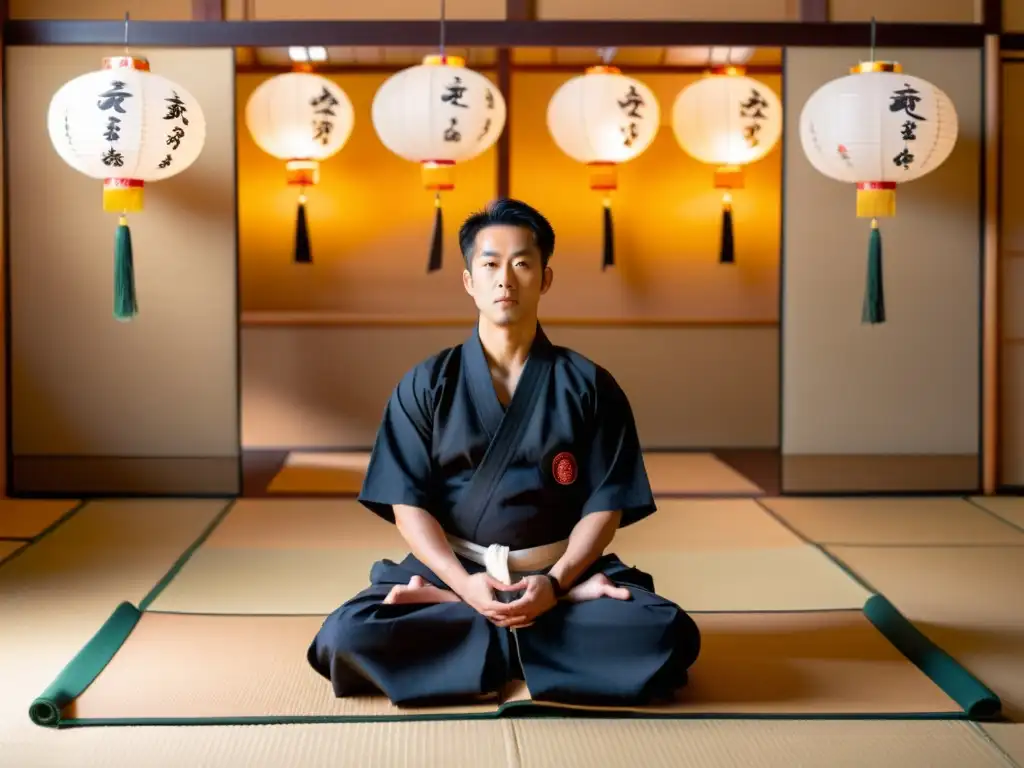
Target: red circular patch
[(564, 468)]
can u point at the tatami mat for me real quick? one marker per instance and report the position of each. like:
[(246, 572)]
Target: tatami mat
[(273, 556), (792, 579), (894, 521), (706, 524), (965, 599), (27, 518), (177, 667), (557, 743), (282, 581), (1009, 737), (302, 524), (112, 547), (1010, 508), (701, 473), (124, 554), (670, 473), (56, 593), (8, 548), (313, 472), (270, 581), (750, 744)]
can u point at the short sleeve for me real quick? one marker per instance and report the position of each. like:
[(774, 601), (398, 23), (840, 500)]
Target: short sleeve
[(616, 476), (399, 471)]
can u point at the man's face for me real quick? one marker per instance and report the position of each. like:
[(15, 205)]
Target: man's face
[(505, 277)]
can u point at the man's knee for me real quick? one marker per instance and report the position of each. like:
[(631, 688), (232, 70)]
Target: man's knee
[(350, 629), (686, 638)]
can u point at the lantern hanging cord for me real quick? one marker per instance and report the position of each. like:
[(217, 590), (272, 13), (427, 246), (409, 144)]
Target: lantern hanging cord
[(442, 27), (126, 32), (873, 33)]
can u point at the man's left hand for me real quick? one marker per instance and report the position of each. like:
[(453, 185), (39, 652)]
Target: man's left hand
[(538, 597)]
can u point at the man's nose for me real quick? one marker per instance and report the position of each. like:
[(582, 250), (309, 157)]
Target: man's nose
[(506, 279)]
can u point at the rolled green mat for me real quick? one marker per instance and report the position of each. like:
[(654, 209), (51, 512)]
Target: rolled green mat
[(973, 696), (85, 667)]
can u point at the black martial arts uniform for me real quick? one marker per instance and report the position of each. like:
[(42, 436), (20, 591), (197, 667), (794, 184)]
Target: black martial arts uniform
[(522, 477)]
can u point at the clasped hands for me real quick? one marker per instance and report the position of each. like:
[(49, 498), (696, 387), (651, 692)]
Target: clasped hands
[(478, 591), (538, 597)]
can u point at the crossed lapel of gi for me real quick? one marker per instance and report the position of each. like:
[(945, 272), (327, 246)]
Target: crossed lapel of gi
[(505, 428)]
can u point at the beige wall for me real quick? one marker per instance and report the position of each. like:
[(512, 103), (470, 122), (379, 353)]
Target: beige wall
[(895, 406), (1012, 278), (148, 406), (690, 387)]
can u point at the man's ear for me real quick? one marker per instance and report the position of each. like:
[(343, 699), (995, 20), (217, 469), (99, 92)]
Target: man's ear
[(549, 277), (467, 281)]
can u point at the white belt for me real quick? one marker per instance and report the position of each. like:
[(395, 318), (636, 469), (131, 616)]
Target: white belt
[(501, 562)]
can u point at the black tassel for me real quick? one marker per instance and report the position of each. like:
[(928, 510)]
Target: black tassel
[(727, 254), (874, 294), (437, 240), (303, 253), (609, 238)]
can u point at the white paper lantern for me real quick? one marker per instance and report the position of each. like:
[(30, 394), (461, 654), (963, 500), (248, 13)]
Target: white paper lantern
[(603, 118), (438, 114), (728, 120), (877, 127), (127, 126), (302, 119)]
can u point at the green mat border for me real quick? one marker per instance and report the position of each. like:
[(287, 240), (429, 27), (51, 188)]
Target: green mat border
[(973, 500), (30, 542), (185, 556), (977, 702)]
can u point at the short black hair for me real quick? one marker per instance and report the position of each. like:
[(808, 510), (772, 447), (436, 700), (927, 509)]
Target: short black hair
[(508, 212)]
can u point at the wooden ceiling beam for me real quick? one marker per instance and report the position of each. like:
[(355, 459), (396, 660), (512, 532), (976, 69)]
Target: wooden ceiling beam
[(499, 34)]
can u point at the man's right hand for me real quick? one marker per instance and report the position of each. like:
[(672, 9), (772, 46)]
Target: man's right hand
[(477, 591)]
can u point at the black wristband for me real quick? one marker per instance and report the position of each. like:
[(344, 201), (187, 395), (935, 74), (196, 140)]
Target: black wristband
[(555, 585)]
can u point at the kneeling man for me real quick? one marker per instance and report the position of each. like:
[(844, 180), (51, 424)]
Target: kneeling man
[(507, 464)]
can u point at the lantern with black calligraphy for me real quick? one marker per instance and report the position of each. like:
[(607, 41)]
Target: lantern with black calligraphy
[(126, 126), (877, 127), (728, 120), (301, 119), (603, 118), (438, 114)]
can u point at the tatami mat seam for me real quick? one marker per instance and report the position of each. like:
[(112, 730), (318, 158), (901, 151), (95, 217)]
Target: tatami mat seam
[(517, 747), (810, 542), (10, 555), (993, 744), (994, 514), (185, 556), (78, 507)]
